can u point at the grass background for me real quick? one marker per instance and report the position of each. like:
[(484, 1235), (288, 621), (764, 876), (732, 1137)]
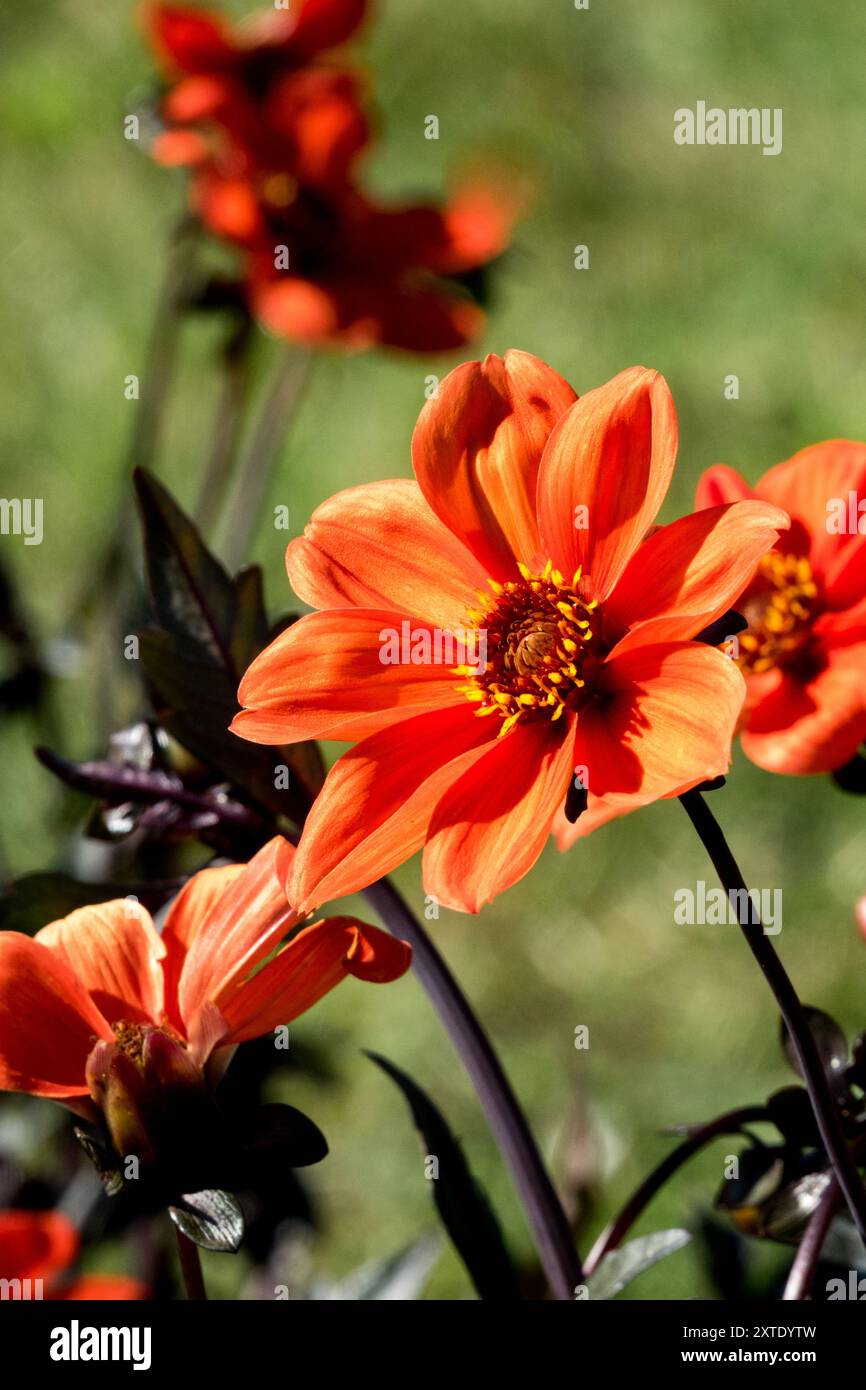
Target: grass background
[(703, 262)]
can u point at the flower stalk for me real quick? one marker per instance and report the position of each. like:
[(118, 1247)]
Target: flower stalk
[(554, 1241), (729, 1123), (826, 1114)]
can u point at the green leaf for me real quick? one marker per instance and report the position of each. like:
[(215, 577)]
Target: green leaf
[(462, 1204), (619, 1267), (212, 1219), (399, 1278)]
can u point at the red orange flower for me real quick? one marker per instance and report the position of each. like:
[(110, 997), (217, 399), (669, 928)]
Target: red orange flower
[(804, 654), (273, 136), (361, 274), (255, 97), (540, 503), (100, 993), (41, 1246)]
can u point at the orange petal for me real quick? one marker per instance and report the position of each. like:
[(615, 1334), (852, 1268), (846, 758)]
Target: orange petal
[(476, 451), (114, 950), (663, 720), (237, 930), (378, 546), (814, 725), (612, 455), (48, 1021), (323, 24), (721, 484), (310, 966), (36, 1244), (492, 824), (689, 573), (324, 677), (814, 477), (374, 809), (293, 308), (188, 40), (193, 905)]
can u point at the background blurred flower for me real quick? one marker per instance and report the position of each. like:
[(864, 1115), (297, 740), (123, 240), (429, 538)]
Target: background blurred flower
[(42, 1245), (804, 655), (273, 136), (540, 503)]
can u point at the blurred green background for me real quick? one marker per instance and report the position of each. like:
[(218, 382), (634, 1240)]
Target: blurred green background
[(703, 262)]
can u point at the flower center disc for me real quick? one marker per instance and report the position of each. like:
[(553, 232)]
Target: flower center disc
[(539, 636), (779, 611)]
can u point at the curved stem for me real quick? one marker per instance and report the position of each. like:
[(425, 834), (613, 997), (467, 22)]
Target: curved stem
[(190, 1264), (236, 372), (553, 1238), (282, 398), (826, 1114), (640, 1199), (803, 1269)]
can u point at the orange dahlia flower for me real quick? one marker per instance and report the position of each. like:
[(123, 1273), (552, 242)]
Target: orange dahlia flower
[(524, 535), (36, 1250), (804, 654), (99, 1002)]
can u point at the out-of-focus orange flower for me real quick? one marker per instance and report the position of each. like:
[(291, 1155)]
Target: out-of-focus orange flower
[(39, 1246), (524, 535), (357, 273), (273, 136), (804, 654), (256, 98), (99, 1004)]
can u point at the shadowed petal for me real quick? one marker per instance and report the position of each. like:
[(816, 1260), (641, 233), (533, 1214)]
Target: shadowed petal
[(476, 451), (237, 931), (325, 677), (309, 967), (492, 824), (48, 1021), (115, 952), (380, 546), (689, 573), (663, 720), (612, 454), (721, 484), (374, 809), (814, 725)]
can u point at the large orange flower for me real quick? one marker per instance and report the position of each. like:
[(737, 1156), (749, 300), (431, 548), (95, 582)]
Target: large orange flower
[(804, 654), (526, 527), (101, 982), (40, 1247)]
